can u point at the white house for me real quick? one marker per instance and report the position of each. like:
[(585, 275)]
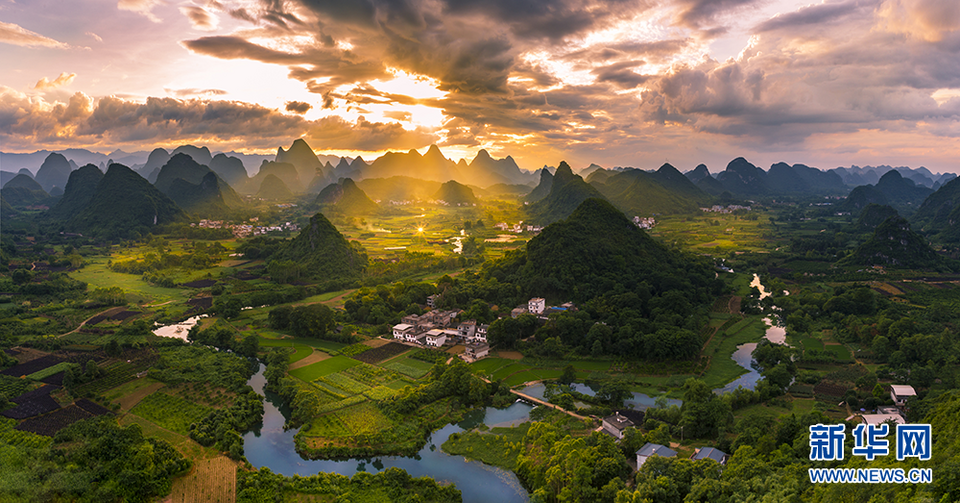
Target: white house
[(653, 450), (432, 300), (536, 305), (481, 333), (900, 393), (435, 338), (467, 329), (615, 424), (401, 330)]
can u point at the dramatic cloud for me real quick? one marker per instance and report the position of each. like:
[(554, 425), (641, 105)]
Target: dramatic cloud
[(63, 80), (336, 133), (16, 35), (200, 18), (113, 122), (298, 107)]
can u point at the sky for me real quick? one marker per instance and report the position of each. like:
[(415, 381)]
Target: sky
[(617, 83)]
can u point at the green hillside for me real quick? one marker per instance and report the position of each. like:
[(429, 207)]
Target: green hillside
[(323, 253), (567, 192), (345, 197), (124, 205)]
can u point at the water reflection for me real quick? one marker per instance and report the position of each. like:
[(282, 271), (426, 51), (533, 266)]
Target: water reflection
[(744, 357), (271, 446), (639, 401)]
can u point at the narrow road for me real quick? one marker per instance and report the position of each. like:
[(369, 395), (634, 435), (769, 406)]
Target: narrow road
[(541, 402), (84, 322)]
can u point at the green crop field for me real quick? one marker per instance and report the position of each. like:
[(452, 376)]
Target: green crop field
[(170, 412), (409, 367), (326, 367), (508, 370)]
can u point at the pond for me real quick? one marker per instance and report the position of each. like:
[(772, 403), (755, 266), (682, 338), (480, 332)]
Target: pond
[(271, 446), (638, 401), (179, 330)]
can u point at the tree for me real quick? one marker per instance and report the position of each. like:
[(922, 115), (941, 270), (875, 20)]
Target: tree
[(614, 392), (703, 412), (250, 346), (568, 376), (313, 320)]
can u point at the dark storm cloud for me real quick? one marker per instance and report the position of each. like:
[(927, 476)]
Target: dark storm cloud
[(298, 107)]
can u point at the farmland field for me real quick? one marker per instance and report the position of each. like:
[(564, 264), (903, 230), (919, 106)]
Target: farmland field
[(210, 481), (409, 367), (170, 412), (326, 367)]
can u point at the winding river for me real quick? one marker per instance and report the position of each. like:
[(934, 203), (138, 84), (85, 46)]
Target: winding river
[(269, 445), (744, 353)]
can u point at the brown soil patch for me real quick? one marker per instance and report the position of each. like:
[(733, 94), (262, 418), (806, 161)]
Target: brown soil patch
[(25, 355), (510, 355), (456, 350), (316, 356), (129, 401), (209, 481), (376, 343)]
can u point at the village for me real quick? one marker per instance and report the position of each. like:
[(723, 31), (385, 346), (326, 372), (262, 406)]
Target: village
[(246, 230)]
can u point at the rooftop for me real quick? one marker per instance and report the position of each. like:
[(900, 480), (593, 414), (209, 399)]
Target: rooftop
[(617, 421), (660, 450)]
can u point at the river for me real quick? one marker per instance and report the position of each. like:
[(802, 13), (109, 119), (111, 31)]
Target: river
[(744, 353), (269, 445), (638, 401)]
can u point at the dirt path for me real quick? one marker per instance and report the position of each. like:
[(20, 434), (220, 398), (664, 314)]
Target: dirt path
[(130, 401), (548, 404), (84, 322)]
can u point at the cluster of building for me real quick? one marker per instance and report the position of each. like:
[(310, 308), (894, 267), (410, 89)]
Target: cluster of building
[(616, 424), (246, 230), (436, 327), (725, 209), (518, 228), (899, 394), (645, 222)]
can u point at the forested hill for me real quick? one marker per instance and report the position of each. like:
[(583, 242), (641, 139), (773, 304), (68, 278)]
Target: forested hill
[(894, 244), (124, 206), (567, 191), (636, 296), (598, 250), (321, 252)]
